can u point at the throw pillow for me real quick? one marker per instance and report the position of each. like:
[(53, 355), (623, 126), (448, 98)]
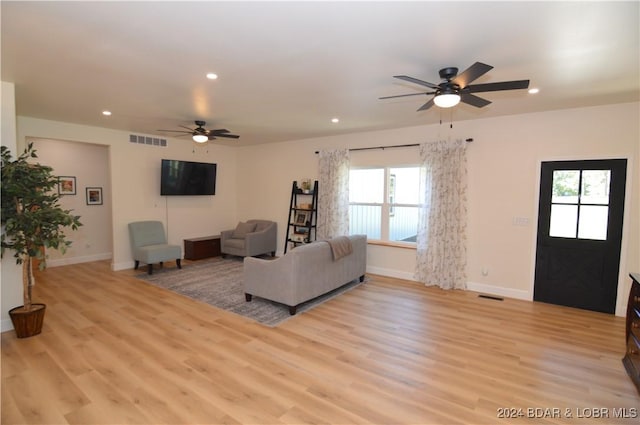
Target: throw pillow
[(260, 226), (242, 229)]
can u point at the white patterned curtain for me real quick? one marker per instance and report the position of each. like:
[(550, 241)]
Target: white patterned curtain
[(333, 194), (442, 221)]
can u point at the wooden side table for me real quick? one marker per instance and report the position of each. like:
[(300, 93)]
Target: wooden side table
[(204, 247)]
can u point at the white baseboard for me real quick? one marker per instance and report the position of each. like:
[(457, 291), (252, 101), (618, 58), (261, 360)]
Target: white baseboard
[(123, 265), (6, 325), (398, 274), (499, 291), (77, 260), (471, 286)]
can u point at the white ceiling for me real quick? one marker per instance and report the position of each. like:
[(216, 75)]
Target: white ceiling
[(286, 68)]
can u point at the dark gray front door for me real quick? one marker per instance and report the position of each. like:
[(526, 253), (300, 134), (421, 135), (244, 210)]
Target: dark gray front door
[(579, 233)]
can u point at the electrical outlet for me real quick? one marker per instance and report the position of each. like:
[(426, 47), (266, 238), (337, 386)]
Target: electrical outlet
[(521, 221)]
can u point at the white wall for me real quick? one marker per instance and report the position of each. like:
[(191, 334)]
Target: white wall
[(504, 162), (135, 183), (11, 273), (89, 164)]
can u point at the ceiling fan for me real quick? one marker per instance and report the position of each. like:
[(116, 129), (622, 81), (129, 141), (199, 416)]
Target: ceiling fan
[(202, 135), (456, 88)]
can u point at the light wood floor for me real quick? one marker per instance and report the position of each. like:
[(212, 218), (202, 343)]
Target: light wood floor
[(116, 350)]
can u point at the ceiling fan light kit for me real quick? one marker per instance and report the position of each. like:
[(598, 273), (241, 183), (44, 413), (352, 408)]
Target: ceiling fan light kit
[(446, 100), (456, 88), (200, 138)]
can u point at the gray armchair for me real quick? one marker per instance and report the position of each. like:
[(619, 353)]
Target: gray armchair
[(252, 238), (149, 245)]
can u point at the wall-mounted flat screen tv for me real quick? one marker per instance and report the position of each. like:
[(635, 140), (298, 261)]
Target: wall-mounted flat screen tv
[(187, 178)]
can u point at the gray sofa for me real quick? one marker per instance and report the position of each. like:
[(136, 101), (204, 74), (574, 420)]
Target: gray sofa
[(304, 273)]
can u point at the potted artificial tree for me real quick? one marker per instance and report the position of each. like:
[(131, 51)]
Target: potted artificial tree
[(32, 220)]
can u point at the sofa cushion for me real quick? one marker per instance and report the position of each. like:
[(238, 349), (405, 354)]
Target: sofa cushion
[(261, 225), (242, 229), (235, 243), (151, 254)]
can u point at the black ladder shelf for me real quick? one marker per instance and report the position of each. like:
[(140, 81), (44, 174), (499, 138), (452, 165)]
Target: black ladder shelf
[(303, 215)]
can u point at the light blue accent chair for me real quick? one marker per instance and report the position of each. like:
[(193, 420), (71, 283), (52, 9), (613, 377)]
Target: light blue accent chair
[(149, 245)]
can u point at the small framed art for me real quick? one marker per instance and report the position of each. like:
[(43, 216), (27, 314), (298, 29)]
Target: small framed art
[(94, 196), (301, 218), (66, 185)]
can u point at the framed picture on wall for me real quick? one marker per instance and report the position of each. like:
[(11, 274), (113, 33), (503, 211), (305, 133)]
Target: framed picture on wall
[(66, 185), (94, 196)]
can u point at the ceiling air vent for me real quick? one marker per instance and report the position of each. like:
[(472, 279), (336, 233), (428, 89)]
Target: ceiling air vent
[(146, 140)]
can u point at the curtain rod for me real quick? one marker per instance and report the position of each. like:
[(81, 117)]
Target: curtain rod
[(469, 140)]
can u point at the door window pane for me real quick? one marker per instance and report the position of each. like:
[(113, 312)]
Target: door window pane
[(593, 222), (595, 187), (566, 186), (574, 194), (564, 220)]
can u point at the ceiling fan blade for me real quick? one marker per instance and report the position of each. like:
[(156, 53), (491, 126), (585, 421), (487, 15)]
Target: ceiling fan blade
[(475, 71), (177, 131), (416, 81), (188, 128), (473, 100), (219, 130), (426, 106), (230, 136), (405, 95), (505, 85)]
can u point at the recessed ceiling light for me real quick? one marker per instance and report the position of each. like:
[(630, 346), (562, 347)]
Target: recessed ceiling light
[(335, 120), (212, 76), (533, 90), (106, 113)]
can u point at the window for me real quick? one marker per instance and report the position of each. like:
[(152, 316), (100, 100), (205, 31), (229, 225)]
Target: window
[(384, 202), (580, 204)]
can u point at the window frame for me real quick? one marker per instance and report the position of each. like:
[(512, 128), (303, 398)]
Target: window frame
[(387, 206), (579, 204)]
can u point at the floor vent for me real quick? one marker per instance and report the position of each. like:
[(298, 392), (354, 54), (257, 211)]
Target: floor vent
[(491, 297), (146, 140)]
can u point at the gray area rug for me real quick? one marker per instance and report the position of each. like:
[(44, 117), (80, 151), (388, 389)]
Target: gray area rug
[(218, 282)]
